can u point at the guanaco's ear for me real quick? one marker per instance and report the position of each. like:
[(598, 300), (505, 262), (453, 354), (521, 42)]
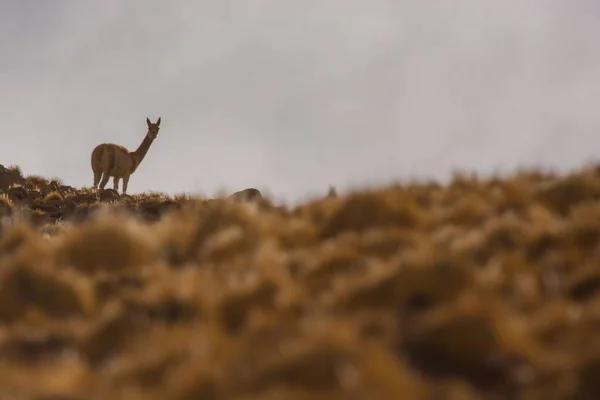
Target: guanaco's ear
[(148, 121), (158, 121)]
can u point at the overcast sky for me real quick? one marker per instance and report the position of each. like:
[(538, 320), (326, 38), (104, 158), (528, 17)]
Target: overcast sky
[(290, 96)]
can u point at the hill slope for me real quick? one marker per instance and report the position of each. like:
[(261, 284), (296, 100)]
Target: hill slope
[(471, 290)]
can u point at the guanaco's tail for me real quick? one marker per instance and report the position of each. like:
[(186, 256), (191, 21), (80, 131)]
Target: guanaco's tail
[(103, 158), (97, 156)]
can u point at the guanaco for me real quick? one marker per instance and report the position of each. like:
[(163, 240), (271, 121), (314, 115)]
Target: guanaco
[(109, 159)]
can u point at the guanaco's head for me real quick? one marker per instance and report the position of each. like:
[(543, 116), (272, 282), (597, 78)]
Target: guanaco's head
[(153, 128)]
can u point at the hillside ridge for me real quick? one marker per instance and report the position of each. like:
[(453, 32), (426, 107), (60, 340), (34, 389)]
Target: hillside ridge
[(45, 201)]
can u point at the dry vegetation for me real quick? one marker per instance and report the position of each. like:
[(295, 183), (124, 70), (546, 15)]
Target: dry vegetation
[(479, 289)]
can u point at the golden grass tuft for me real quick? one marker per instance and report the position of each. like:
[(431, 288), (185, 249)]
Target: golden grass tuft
[(30, 283), (53, 196), (17, 237), (105, 244), (5, 201), (37, 181), (481, 288), (367, 210)]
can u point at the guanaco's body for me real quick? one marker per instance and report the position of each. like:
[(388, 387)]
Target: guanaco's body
[(113, 160)]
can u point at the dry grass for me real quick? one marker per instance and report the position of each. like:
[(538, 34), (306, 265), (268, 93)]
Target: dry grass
[(480, 289), (16, 169)]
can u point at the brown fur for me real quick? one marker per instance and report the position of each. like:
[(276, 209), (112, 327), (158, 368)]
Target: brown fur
[(109, 159)]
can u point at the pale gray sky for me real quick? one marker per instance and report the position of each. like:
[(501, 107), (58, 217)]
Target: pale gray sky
[(290, 96)]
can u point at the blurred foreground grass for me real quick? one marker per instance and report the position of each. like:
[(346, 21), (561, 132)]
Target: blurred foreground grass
[(477, 289)]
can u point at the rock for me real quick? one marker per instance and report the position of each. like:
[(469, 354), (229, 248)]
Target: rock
[(18, 194), (9, 178), (154, 211), (54, 185), (108, 195), (159, 209), (332, 192), (54, 202), (68, 207), (47, 208), (80, 213), (34, 194), (249, 194), (82, 198), (65, 188)]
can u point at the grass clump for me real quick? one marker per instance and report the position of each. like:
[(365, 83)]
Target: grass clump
[(104, 244), (53, 196)]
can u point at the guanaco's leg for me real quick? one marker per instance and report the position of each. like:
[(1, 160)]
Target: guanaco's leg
[(125, 182), (97, 177), (104, 180)]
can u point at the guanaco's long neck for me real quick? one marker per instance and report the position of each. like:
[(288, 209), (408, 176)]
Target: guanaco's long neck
[(142, 149)]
